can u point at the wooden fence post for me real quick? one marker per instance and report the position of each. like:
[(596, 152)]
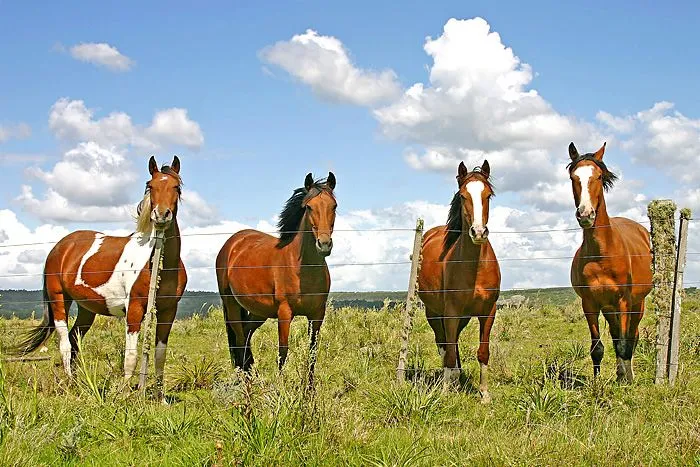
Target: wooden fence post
[(663, 246), (411, 297), (675, 330), (150, 308)]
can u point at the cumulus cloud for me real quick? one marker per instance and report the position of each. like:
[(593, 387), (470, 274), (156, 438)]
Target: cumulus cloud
[(72, 121), (102, 55), (18, 131), (323, 63), (660, 137)]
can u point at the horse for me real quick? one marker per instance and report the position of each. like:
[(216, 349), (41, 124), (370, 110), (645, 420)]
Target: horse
[(459, 276), (261, 276), (110, 275), (611, 270)]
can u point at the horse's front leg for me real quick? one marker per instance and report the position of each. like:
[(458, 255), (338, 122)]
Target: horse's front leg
[(485, 323), (134, 316), (314, 329), (284, 321), (625, 339), (591, 310), (165, 319), (451, 324)]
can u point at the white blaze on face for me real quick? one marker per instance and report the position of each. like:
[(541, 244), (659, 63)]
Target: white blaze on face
[(475, 189), (584, 174)]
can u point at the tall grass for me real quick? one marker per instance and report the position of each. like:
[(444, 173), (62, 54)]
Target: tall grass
[(547, 409)]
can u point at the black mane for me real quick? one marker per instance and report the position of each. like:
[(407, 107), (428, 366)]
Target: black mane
[(293, 211), (609, 178), (454, 217)]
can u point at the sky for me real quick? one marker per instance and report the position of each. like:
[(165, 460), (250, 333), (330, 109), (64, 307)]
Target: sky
[(252, 97)]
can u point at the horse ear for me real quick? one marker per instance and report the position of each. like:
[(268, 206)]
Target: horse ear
[(486, 168), (331, 181), (175, 165), (599, 153), (573, 152), (462, 171), (309, 181), (152, 165)]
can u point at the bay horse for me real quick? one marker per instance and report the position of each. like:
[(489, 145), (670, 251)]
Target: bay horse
[(611, 270), (459, 276), (261, 276), (110, 276)]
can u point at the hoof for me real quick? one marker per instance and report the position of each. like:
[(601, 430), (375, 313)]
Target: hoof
[(485, 398)]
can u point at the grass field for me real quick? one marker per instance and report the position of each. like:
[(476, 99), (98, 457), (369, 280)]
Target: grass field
[(546, 408)]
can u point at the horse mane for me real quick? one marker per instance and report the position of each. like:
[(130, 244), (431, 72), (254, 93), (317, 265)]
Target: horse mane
[(454, 216), (143, 210), (293, 211), (608, 179)]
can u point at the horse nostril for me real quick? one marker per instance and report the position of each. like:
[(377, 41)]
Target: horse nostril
[(472, 231), (486, 231)]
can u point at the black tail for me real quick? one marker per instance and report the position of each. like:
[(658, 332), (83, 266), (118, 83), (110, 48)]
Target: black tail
[(34, 338)]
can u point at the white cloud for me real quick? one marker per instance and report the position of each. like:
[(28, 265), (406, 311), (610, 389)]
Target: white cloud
[(18, 131), (102, 54), (323, 63), (71, 120), (661, 137)]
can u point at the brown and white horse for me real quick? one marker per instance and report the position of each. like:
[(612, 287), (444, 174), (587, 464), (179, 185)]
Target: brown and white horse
[(611, 270), (261, 276), (459, 276), (110, 276)]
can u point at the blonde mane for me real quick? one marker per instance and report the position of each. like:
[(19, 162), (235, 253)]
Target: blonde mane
[(144, 224)]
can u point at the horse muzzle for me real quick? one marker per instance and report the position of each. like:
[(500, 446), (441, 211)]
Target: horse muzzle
[(161, 220), (324, 246), (585, 220), (479, 235)]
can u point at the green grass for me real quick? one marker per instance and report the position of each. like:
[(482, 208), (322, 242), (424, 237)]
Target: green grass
[(546, 408)]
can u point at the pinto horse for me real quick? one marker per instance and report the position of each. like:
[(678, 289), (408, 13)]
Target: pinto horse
[(110, 276), (261, 276), (459, 276), (611, 270)]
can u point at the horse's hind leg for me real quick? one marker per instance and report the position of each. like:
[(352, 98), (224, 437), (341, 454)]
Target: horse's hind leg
[(462, 324), (82, 325), (436, 324), (253, 322), (61, 302), (233, 318)]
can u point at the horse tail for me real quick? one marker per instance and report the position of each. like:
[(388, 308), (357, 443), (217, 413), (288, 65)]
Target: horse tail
[(34, 338)]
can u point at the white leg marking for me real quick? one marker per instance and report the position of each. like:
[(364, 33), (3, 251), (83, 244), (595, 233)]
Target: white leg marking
[(484, 383), (584, 173), (629, 373), (442, 351), (131, 348), (475, 189), (64, 344), (161, 349)]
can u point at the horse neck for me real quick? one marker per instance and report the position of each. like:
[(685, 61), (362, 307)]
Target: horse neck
[(172, 246), (601, 234), (303, 247)]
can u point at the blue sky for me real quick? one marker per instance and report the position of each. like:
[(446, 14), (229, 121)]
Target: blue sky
[(263, 128)]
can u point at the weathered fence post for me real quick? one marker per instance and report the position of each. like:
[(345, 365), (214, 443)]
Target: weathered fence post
[(675, 330), (150, 308), (411, 297), (663, 246)]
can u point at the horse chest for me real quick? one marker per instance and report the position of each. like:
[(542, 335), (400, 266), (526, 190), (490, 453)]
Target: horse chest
[(116, 290)]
